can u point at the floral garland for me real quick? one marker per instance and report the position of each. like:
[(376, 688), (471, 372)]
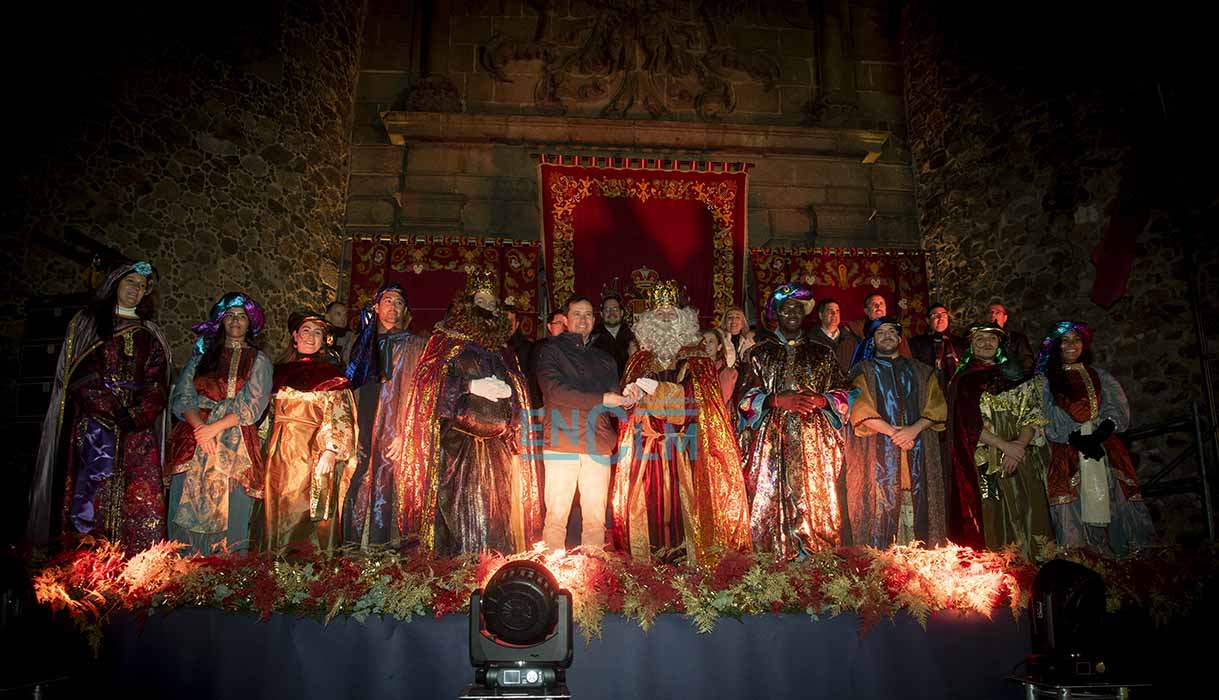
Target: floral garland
[(97, 579)]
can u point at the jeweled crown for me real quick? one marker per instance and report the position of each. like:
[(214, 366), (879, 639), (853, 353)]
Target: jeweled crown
[(481, 280), (666, 293)]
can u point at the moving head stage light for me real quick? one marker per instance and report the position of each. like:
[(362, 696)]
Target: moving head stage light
[(1067, 612), (520, 633)]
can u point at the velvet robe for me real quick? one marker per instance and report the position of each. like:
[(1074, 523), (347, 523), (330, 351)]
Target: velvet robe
[(100, 460)]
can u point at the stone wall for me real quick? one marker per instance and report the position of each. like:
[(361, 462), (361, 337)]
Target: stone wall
[(218, 149), (457, 98), (1022, 166)]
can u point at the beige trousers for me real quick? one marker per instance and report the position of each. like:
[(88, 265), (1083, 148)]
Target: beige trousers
[(564, 472)]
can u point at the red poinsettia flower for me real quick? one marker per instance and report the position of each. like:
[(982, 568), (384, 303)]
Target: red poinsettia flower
[(446, 602), (730, 570)]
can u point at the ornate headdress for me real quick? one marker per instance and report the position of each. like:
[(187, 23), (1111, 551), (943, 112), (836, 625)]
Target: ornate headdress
[(667, 293), (644, 279), (365, 363), (299, 318), (867, 349), (988, 327), (386, 289), (1057, 331), (142, 268), (296, 319), (209, 330), (1001, 357), (785, 291), (481, 280)]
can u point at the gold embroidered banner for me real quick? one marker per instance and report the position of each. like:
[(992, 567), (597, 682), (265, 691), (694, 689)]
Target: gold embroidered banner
[(603, 225)]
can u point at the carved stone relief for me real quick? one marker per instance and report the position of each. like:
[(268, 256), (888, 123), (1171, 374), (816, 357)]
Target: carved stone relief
[(642, 55)]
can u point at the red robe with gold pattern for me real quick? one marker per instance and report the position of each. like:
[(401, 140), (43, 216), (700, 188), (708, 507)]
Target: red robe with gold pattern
[(678, 480), (1085, 397)]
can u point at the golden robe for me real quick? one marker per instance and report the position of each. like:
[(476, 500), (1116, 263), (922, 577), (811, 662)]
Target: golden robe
[(1015, 509), (312, 411), (678, 482)]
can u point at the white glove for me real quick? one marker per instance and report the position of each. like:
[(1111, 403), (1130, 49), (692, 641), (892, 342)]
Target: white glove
[(647, 384), (490, 388)]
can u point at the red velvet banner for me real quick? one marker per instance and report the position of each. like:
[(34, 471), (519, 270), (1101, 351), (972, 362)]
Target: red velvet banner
[(849, 275), (602, 224), (433, 270)]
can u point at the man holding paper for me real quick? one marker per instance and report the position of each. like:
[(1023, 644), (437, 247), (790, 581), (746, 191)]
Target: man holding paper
[(678, 488)]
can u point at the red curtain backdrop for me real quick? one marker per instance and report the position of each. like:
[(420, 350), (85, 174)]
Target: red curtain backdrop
[(604, 223), (849, 275), (433, 270)]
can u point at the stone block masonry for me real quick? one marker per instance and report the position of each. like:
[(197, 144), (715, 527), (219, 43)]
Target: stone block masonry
[(218, 150), (1020, 171)]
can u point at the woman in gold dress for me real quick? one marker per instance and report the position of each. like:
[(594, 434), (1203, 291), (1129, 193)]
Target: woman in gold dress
[(312, 437)]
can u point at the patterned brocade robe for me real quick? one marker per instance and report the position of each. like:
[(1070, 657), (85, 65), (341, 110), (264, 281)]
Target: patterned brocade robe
[(1088, 396), (678, 481), (791, 461), (312, 411), (1014, 507), (103, 434), (1091, 395), (210, 495)]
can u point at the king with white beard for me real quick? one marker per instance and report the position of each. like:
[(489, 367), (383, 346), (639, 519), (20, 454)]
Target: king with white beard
[(678, 489)]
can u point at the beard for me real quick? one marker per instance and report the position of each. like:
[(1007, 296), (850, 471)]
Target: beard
[(887, 350), (489, 329), (665, 338)]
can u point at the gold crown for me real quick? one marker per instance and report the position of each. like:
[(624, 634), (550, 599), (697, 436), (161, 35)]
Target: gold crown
[(481, 280), (665, 293)]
